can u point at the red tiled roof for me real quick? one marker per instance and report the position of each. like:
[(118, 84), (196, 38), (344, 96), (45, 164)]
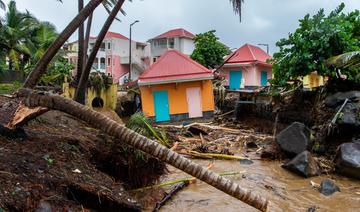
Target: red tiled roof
[(248, 53), (176, 33), (174, 66), (115, 35)]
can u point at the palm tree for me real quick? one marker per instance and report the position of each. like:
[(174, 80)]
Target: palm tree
[(100, 121), (346, 60), (81, 52), (81, 88), (40, 67), (14, 33)]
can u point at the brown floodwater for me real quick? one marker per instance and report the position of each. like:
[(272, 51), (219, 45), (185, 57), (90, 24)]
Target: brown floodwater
[(286, 191)]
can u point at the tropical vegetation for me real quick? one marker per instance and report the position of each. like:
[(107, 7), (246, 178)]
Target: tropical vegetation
[(317, 39), (209, 51)]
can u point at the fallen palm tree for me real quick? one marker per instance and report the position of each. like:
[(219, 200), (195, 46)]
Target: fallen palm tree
[(97, 120)]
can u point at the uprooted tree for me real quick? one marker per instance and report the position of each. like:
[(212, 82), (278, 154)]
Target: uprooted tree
[(100, 121), (318, 38)]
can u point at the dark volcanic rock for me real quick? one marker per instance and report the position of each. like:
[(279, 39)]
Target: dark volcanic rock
[(328, 187), (246, 162), (348, 160), (339, 98), (350, 115), (294, 139), (304, 165)]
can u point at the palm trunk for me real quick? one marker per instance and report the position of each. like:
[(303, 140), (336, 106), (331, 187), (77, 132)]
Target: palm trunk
[(87, 37), (80, 63), (81, 89), (41, 65), (100, 121), (11, 65)]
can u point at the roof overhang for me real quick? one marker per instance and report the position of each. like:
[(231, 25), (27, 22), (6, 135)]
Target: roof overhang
[(174, 81), (237, 64)]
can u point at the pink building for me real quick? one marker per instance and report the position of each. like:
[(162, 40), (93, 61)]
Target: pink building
[(247, 68), (113, 56)]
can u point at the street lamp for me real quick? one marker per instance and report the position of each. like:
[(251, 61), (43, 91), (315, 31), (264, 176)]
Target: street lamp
[(130, 63), (267, 46)]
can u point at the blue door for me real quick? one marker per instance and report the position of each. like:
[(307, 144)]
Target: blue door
[(235, 80), (264, 78), (161, 102)]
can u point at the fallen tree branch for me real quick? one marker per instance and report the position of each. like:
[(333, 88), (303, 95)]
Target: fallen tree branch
[(100, 121), (169, 195), (213, 156)]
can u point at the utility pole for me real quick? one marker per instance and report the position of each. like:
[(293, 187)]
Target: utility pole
[(130, 49), (267, 46)]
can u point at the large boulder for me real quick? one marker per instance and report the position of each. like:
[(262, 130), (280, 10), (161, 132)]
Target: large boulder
[(348, 160), (328, 187), (339, 98), (303, 164), (350, 115), (294, 139)]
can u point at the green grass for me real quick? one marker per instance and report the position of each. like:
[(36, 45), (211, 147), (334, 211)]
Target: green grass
[(8, 88)]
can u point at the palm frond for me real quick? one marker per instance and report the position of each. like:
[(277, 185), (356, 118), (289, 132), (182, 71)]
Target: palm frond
[(140, 124), (237, 6), (346, 60), (2, 5)]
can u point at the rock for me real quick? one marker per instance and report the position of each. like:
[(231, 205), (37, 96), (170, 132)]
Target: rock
[(350, 115), (339, 98), (294, 139), (348, 160), (304, 165), (328, 187), (43, 207), (246, 162)]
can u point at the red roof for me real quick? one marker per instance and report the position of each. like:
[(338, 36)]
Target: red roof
[(248, 53), (174, 66), (176, 33), (115, 35)]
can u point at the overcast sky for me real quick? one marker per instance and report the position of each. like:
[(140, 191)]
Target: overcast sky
[(263, 21)]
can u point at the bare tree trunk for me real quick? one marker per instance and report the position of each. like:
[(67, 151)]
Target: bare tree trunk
[(41, 65), (100, 121), (81, 88), (80, 63), (87, 37)]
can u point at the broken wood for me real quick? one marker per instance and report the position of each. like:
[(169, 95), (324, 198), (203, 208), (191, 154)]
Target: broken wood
[(23, 114), (213, 156), (169, 195), (227, 113)]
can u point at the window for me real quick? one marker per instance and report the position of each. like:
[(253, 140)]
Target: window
[(102, 47), (154, 59), (109, 45), (113, 62), (109, 61), (171, 42)]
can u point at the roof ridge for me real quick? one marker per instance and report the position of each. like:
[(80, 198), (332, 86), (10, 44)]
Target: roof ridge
[(192, 61), (250, 49)]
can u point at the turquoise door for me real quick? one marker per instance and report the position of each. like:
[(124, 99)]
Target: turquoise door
[(161, 103), (235, 80), (264, 78)]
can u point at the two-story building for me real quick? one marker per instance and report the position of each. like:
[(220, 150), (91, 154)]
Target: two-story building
[(113, 56), (176, 39)]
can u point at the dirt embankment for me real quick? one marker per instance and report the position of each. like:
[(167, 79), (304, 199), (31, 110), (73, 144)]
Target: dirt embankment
[(59, 163)]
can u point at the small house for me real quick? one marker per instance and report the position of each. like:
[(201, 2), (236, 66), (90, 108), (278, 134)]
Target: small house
[(175, 88), (313, 80), (247, 68)]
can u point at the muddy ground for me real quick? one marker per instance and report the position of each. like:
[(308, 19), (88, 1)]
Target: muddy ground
[(60, 163)]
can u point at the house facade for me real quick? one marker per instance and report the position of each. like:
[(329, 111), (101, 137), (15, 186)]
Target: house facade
[(113, 56), (247, 68), (176, 39), (175, 88)]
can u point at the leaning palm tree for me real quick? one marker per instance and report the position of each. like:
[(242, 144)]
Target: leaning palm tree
[(100, 121), (82, 85), (346, 60), (40, 67)]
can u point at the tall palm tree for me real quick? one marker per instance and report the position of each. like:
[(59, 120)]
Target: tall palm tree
[(2, 5), (81, 44), (14, 33), (40, 67), (100, 121), (81, 88)]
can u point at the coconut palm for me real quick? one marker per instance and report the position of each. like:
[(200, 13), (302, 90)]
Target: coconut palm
[(41, 65), (100, 121), (14, 33), (81, 88), (346, 60), (237, 5)]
